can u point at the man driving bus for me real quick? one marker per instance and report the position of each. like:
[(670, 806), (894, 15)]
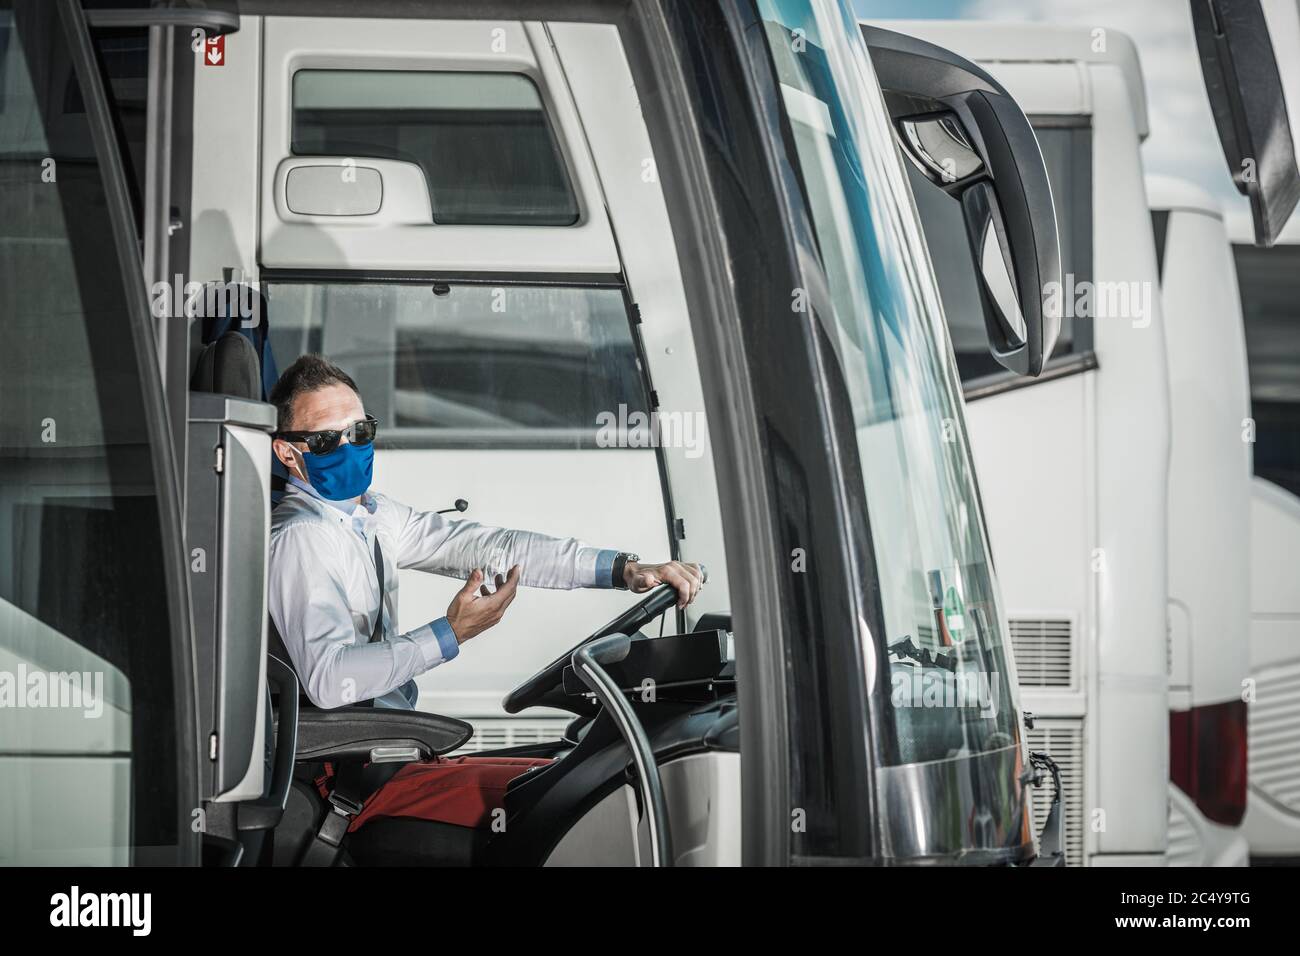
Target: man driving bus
[(333, 542), (336, 547)]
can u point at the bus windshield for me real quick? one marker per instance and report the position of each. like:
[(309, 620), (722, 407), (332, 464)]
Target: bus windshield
[(950, 674)]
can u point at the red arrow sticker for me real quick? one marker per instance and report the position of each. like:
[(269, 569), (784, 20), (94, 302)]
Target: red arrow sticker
[(214, 51)]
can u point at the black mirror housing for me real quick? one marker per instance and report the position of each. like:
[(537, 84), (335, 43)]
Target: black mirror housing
[(969, 136), (1245, 91)]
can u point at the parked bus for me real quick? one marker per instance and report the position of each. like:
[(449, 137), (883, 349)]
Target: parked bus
[(1209, 526), (1076, 464), (1269, 285), (509, 230)]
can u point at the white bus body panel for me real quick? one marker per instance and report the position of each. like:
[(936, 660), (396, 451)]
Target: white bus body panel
[(295, 43), (1209, 487), (1196, 841), (702, 792), (1273, 810), (76, 811), (1209, 480)]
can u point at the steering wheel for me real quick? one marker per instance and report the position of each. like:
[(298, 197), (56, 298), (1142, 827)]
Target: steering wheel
[(551, 677)]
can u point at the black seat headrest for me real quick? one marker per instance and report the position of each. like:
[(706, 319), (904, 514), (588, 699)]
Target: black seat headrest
[(229, 366)]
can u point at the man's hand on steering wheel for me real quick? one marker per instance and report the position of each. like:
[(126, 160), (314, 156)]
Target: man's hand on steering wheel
[(686, 578)]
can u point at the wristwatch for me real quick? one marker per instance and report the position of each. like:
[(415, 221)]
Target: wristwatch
[(620, 563)]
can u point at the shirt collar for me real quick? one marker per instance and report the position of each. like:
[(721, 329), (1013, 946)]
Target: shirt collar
[(348, 508)]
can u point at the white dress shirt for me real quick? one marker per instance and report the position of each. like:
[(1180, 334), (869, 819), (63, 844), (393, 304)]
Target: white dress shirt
[(324, 592)]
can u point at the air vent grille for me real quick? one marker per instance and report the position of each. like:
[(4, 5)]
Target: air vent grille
[(1044, 652), (495, 733), (1274, 735), (1062, 740), (1184, 844)]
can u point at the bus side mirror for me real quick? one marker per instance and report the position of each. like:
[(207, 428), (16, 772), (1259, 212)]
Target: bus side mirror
[(1249, 106), (966, 133)]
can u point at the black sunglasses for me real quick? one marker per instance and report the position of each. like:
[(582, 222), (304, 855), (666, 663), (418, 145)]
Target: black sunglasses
[(324, 442)]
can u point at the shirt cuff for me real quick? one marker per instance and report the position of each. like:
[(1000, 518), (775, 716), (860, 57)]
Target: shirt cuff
[(437, 642), (604, 573), (446, 638)]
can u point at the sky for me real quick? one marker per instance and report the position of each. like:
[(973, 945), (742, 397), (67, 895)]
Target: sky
[(1183, 140)]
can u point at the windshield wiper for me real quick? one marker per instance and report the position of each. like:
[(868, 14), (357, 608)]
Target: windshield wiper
[(907, 649)]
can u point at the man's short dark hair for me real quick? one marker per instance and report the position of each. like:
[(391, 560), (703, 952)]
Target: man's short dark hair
[(307, 374)]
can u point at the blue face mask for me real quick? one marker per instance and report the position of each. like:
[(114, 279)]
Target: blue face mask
[(342, 474)]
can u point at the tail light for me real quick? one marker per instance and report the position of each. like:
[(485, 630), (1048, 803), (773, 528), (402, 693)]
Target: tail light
[(1207, 758)]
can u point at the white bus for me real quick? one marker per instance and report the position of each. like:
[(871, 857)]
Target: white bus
[(1210, 568), (1269, 280), (506, 228), (1077, 467)]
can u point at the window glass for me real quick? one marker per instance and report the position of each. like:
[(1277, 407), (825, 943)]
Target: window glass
[(938, 599), (88, 752), (124, 61), (1270, 302), (452, 363), (1066, 152), (483, 140)]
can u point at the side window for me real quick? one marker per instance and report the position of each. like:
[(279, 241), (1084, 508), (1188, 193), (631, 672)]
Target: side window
[(88, 747), (488, 153), (464, 363), (1067, 150), (124, 63), (1270, 288)]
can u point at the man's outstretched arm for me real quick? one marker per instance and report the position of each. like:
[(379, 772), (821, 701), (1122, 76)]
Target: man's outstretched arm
[(429, 542)]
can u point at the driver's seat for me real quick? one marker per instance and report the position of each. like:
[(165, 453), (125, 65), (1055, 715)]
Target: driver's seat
[(439, 813), (373, 787)]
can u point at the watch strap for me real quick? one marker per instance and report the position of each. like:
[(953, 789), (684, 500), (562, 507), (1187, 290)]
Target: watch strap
[(620, 564)]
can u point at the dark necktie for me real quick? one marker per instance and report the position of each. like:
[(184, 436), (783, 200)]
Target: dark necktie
[(378, 633), (407, 690)]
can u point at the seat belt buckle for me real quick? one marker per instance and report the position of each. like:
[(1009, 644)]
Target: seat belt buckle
[(344, 806)]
